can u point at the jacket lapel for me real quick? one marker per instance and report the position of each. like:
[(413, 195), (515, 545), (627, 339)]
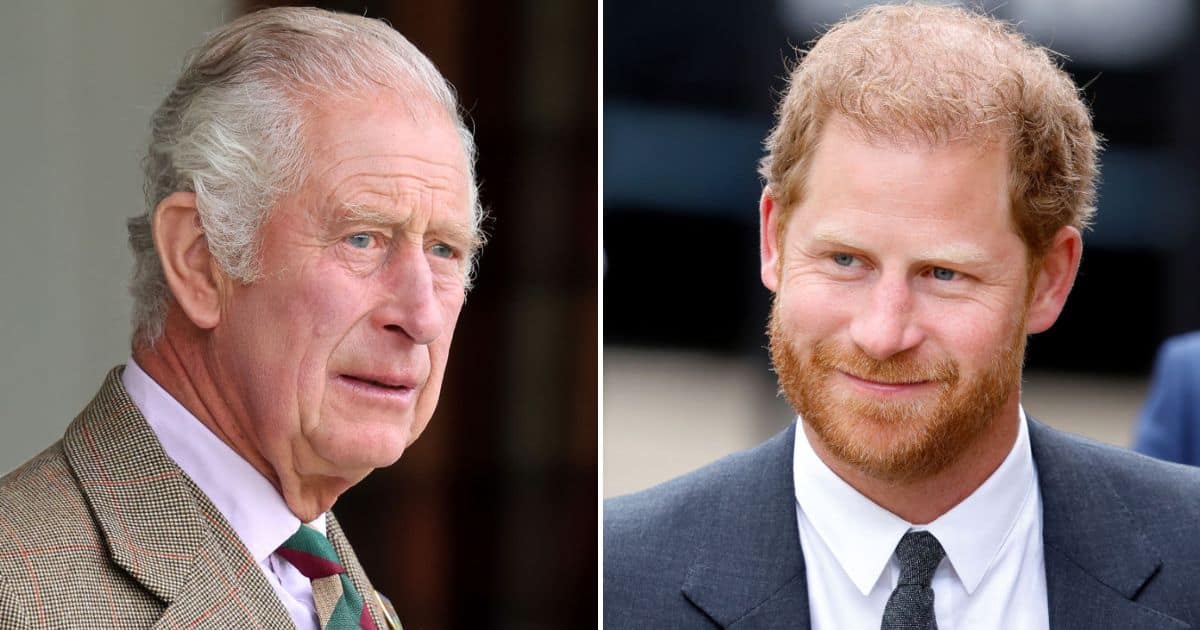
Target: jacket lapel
[(1097, 557), (750, 573), (157, 524), (359, 577)]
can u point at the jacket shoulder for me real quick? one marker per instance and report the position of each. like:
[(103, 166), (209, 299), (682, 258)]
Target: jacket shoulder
[(40, 499), (59, 569), (1116, 509), (652, 538), (1150, 487), (1162, 495), (36, 499), (1183, 348), (659, 514)]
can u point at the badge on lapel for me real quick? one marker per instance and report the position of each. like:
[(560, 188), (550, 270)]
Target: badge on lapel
[(389, 611)]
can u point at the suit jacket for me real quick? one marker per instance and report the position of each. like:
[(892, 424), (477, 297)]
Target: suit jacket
[(103, 530), (1169, 427), (720, 548)]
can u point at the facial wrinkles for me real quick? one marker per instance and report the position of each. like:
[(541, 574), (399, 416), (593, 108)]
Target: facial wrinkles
[(415, 206), (443, 174), (396, 192), (404, 210), (302, 270), (397, 187), (287, 338), (405, 215)]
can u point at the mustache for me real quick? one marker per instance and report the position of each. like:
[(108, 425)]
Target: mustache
[(903, 368)]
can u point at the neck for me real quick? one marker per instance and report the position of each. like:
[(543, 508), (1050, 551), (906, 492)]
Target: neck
[(181, 363), (921, 501)]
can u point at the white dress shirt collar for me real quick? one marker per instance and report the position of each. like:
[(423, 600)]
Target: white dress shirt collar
[(253, 507), (863, 536)]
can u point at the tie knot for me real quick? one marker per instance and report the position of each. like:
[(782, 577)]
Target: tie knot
[(311, 553), (919, 554)]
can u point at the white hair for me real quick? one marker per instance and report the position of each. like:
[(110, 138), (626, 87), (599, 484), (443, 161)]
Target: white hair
[(231, 130)]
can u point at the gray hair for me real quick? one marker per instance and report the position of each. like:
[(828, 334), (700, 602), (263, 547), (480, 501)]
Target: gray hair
[(231, 130)]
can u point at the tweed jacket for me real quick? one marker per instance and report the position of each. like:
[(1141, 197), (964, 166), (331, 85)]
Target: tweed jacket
[(720, 548), (103, 530)]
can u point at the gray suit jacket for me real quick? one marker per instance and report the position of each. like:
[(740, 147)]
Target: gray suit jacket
[(103, 530), (719, 547)]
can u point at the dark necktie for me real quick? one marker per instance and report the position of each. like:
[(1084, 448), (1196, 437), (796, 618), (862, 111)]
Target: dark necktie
[(339, 605), (911, 605)]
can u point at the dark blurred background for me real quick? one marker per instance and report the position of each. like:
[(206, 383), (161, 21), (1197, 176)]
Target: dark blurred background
[(689, 93), (689, 96)]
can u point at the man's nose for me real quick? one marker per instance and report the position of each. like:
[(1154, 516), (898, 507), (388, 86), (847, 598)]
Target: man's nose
[(410, 306), (885, 326)]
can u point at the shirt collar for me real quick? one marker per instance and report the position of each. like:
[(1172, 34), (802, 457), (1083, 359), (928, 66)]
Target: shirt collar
[(863, 535), (253, 507)]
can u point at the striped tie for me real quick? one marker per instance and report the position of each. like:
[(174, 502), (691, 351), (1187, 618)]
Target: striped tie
[(339, 605)]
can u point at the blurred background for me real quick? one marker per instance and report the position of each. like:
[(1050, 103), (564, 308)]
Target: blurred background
[(489, 521), (688, 98)]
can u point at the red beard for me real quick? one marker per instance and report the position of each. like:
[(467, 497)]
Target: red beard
[(894, 440)]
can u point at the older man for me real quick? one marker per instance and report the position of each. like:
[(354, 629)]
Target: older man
[(926, 186), (311, 224)]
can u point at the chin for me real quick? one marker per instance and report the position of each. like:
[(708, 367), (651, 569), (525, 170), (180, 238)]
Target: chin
[(362, 446)]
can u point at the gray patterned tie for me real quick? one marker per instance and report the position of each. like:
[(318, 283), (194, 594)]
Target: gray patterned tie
[(911, 605)]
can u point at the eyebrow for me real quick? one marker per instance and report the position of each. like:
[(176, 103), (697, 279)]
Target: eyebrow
[(951, 253), (461, 233)]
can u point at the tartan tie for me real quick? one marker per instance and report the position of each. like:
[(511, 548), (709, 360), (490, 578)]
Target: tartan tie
[(910, 606), (339, 605)]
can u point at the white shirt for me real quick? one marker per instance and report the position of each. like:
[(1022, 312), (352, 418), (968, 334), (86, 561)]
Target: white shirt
[(253, 507), (994, 573)]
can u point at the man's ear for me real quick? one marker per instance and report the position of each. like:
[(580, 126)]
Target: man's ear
[(767, 244), (189, 267), (1055, 277)]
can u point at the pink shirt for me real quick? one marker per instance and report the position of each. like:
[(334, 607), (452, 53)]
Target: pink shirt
[(244, 497)]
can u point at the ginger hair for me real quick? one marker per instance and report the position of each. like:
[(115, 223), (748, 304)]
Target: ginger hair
[(931, 75)]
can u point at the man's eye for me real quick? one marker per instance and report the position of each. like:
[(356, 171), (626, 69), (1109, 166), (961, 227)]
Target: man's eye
[(941, 273), (359, 241), (843, 260), (442, 250)]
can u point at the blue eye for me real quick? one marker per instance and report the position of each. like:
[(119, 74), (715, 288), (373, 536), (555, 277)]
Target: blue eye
[(442, 250), (359, 241), (843, 260), (941, 273)]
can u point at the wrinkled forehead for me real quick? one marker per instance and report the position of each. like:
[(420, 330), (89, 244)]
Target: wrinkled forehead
[(385, 135), (382, 160), (379, 114)]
